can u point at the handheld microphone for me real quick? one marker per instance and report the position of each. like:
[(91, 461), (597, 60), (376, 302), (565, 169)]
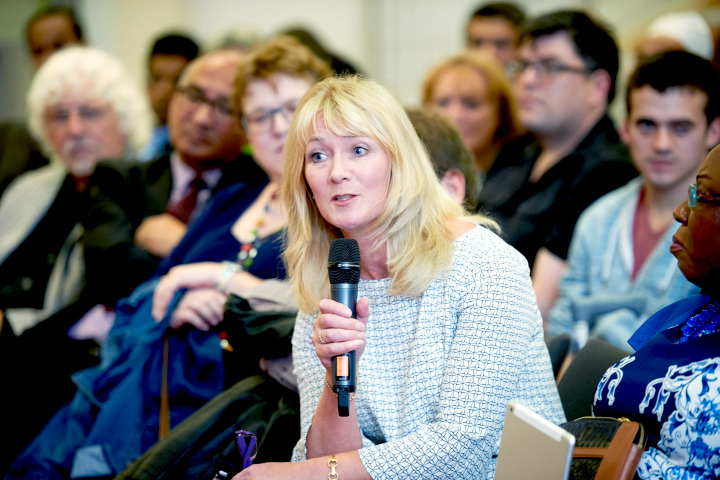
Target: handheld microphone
[(344, 273)]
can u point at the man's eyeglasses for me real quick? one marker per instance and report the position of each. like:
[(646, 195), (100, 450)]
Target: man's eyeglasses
[(545, 69), (86, 113), (694, 196), (197, 97), (261, 121)]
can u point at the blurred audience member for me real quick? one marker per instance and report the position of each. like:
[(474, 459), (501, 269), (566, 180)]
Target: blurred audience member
[(495, 28), (451, 159), (82, 107), (620, 269), (474, 92), (338, 64), (169, 56), (50, 29), (140, 211), (677, 31), (539, 185)]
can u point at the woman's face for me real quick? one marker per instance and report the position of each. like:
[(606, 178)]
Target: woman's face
[(348, 177), (696, 244), (268, 106), (462, 93)]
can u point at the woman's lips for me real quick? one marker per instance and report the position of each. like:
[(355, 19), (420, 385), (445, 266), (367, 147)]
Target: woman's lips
[(343, 199), (676, 245)]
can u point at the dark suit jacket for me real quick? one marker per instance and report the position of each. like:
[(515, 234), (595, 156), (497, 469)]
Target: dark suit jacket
[(123, 194)]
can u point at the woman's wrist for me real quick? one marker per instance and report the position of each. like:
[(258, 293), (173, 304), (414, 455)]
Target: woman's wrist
[(227, 272), (242, 283)]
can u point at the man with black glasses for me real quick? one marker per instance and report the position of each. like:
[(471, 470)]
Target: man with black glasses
[(564, 81), (140, 211)]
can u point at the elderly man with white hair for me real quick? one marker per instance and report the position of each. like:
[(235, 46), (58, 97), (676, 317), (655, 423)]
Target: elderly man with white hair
[(82, 108)]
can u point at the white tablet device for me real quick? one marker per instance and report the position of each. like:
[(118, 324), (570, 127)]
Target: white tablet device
[(532, 447)]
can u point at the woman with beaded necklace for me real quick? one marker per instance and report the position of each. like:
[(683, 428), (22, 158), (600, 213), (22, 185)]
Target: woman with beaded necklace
[(671, 384), (268, 87)]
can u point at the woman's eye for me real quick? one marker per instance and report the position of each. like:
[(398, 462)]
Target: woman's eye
[(317, 157), (359, 151), (471, 103)]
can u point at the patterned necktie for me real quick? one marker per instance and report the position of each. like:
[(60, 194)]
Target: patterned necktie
[(184, 208)]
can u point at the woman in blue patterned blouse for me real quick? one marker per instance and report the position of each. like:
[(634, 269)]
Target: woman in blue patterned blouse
[(672, 382), (448, 330)]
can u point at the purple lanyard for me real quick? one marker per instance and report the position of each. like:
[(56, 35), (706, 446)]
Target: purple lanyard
[(247, 444)]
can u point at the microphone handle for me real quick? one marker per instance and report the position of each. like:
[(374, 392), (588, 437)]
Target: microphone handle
[(345, 365)]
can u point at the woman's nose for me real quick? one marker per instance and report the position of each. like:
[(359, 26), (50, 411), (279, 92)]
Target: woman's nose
[(339, 170), (280, 123), (680, 214)]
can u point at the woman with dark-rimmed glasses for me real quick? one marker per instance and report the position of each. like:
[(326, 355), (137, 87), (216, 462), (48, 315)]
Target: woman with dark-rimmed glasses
[(671, 384)]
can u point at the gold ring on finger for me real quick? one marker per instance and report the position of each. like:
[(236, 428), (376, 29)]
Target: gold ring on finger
[(320, 336)]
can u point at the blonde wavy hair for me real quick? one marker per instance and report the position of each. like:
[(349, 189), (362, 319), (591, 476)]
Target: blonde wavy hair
[(413, 225)]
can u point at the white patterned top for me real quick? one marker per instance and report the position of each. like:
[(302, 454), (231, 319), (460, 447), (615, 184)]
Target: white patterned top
[(438, 370)]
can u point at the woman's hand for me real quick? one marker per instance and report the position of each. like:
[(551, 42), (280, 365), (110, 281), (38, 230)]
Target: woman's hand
[(194, 275), (202, 308), (334, 332)]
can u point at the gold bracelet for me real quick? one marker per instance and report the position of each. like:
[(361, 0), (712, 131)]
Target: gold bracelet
[(352, 396), (332, 463)]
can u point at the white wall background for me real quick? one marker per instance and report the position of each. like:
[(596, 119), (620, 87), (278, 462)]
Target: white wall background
[(392, 41)]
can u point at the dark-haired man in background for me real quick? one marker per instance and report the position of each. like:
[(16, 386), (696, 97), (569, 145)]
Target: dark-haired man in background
[(539, 185), (168, 58), (50, 29), (620, 269), (495, 28)]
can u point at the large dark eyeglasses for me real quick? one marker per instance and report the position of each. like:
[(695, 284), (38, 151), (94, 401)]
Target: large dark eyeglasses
[(694, 196), (197, 97), (545, 69), (247, 444), (262, 121)]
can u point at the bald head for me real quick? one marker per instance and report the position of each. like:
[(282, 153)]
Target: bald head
[(215, 60), (203, 127)]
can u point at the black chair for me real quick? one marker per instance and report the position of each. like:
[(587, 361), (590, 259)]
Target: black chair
[(578, 383), (558, 348)]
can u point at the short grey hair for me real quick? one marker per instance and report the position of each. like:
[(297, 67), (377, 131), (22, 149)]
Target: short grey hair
[(98, 75)]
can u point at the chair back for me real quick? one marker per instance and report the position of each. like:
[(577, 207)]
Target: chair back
[(578, 383)]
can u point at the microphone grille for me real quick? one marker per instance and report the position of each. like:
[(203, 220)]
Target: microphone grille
[(344, 251)]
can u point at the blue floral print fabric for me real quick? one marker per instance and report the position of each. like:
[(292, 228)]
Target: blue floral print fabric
[(673, 389)]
